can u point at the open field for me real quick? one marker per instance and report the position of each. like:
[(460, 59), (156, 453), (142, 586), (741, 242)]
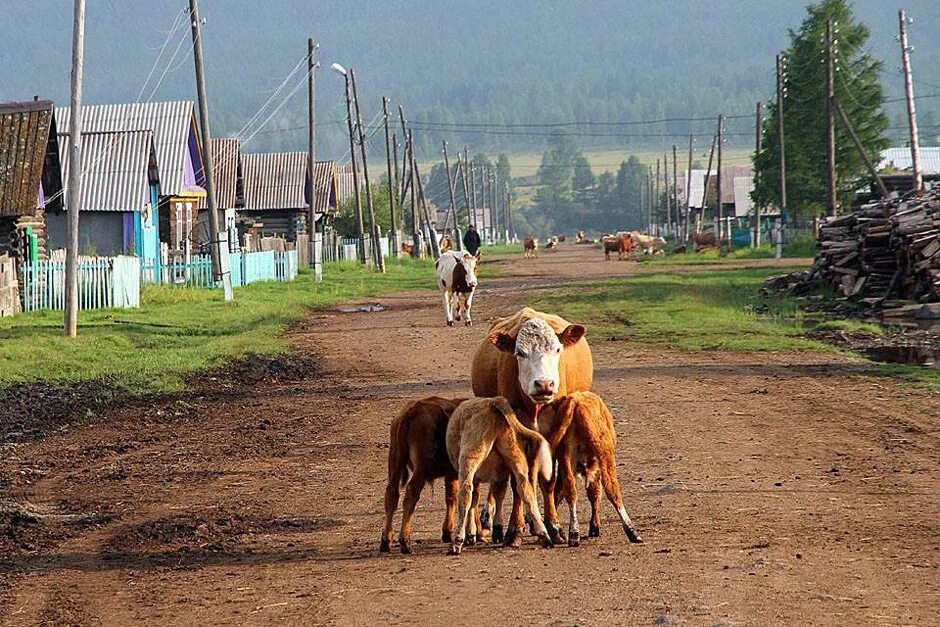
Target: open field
[(775, 480)]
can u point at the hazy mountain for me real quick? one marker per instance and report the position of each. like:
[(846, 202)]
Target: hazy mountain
[(485, 62)]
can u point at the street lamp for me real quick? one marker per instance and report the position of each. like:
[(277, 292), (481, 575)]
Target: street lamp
[(361, 246)]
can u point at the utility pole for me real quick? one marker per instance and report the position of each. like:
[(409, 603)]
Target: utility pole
[(758, 146), (708, 175), (675, 192), (781, 92), (415, 235), (361, 245), (659, 198), (861, 149), (649, 200), (463, 166), (315, 235), (918, 179), (393, 235), (377, 255), (431, 231), (473, 196), (688, 193), (830, 120), (510, 235), (453, 197), (219, 246), (74, 188), (667, 193), (405, 159), (399, 182), (721, 209)]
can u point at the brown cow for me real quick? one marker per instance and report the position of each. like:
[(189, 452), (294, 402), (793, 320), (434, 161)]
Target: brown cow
[(486, 442), (580, 430), (446, 243), (506, 363), (408, 249), (417, 448), (611, 245), (530, 246)]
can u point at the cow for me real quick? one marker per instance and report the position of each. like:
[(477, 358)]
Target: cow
[(552, 244), (611, 245), (408, 249), (456, 274), (562, 238), (417, 455), (580, 431), (529, 358), (486, 442), (704, 241), (649, 244), (582, 239), (446, 243), (531, 247)]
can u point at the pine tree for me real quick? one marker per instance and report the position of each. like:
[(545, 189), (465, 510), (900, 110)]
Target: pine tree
[(857, 88)]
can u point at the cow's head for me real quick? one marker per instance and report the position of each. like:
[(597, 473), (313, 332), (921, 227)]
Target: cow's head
[(538, 352), (468, 263)]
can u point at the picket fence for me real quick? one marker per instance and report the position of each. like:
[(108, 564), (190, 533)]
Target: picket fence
[(103, 283), (245, 268)]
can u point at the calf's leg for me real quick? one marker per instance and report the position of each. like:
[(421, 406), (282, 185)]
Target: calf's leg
[(593, 486), (470, 461), (612, 489), (391, 504), (450, 499), (497, 496), (412, 493)]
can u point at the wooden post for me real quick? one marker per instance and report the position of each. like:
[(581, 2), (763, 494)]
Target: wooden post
[(473, 195), (658, 211), (755, 241), (377, 255), (918, 179), (781, 92), (453, 198), (720, 214), (861, 149), (399, 182), (431, 231), (688, 193), (405, 160), (708, 175), (415, 235), (361, 247), (74, 185), (675, 192), (649, 200), (667, 194), (393, 243), (510, 234), (832, 200), (315, 235)]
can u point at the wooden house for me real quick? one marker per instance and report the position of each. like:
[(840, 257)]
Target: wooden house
[(277, 194), (229, 189), (30, 177), (120, 196), (326, 190)]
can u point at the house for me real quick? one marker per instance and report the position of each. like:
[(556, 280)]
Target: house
[(737, 183), (229, 189), (120, 195), (277, 194), (30, 177), (326, 189), (179, 161), (346, 185)]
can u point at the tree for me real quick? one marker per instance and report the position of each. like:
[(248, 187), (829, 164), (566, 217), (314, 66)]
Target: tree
[(857, 88), (346, 223), (631, 181)]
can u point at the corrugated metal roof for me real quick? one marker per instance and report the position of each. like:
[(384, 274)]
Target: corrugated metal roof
[(117, 168), (275, 180), (25, 130), (730, 191), (742, 187), (899, 158), (170, 122), (326, 186), (226, 162)]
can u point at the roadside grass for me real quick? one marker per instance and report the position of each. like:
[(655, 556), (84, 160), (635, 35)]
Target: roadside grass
[(177, 331), (801, 247)]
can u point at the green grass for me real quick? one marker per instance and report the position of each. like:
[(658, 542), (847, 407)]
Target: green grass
[(177, 331), (801, 247)]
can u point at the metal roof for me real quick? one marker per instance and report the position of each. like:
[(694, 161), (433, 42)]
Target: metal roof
[(731, 188), (226, 163), (899, 158), (326, 184), (27, 136), (276, 180), (170, 122), (117, 169)]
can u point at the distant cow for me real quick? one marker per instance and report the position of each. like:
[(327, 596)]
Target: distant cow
[(704, 241), (486, 442), (408, 249), (531, 247), (562, 238), (649, 244), (621, 243), (580, 430), (552, 244), (456, 275), (417, 455), (446, 243)]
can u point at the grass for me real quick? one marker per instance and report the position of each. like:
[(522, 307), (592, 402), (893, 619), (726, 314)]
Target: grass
[(801, 247), (177, 331)]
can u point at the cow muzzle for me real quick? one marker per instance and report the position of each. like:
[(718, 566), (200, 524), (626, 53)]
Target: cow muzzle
[(543, 390)]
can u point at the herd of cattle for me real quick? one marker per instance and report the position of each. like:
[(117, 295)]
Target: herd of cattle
[(625, 243), (533, 424)]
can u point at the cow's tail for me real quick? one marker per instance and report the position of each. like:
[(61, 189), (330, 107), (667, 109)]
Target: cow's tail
[(532, 437), (398, 452)]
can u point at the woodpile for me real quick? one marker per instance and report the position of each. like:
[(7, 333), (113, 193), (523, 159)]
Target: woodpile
[(885, 250)]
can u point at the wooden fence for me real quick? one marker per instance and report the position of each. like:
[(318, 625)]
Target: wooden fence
[(103, 283), (246, 268)]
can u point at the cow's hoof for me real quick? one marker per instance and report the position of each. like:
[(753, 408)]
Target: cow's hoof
[(497, 534), (512, 537), (385, 546), (455, 548), (485, 519), (546, 542), (632, 535), (574, 539), (531, 524), (594, 531), (556, 534), (446, 536), (405, 546), (472, 539), (450, 323), (469, 323)]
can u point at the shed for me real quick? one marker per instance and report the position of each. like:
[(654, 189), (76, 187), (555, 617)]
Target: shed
[(277, 193), (30, 177)]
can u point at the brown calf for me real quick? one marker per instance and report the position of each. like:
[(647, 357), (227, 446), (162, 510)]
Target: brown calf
[(530, 247), (580, 430), (417, 455), (486, 442)]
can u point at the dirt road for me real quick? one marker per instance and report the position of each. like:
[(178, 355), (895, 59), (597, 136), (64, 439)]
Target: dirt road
[(777, 488)]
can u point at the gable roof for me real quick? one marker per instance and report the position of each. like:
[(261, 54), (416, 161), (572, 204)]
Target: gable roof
[(226, 162), (326, 186), (28, 156), (900, 159), (276, 180), (171, 123), (117, 169)]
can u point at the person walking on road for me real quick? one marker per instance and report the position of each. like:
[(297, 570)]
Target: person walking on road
[(471, 240)]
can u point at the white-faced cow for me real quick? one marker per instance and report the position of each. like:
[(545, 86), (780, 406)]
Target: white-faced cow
[(530, 247), (457, 278)]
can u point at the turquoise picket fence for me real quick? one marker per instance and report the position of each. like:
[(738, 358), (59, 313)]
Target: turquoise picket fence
[(246, 268), (103, 283)]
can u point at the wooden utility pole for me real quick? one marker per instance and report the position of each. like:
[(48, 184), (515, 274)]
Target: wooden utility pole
[(377, 255), (721, 209), (667, 193), (473, 195), (861, 149), (415, 235), (649, 200), (832, 200), (316, 238), (510, 235), (708, 175), (781, 92), (918, 179), (393, 234), (405, 159), (463, 167), (74, 185), (431, 231), (453, 198), (675, 192), (399, 182), (361, 245), (688, 193), (659, 198), (219, 246), (759, 122)]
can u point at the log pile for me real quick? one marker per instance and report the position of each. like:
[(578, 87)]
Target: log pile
[(885, 250)]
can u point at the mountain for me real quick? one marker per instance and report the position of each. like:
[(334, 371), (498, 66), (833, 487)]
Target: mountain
[(484, 63)]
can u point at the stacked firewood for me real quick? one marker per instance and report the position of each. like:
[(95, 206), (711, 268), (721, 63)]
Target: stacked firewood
[(885, 250)]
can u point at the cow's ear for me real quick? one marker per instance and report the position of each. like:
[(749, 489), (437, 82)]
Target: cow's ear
[(571, 334), (503, 341), (479, 256)]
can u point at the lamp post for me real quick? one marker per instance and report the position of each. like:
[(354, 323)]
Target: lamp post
[(339, 69)]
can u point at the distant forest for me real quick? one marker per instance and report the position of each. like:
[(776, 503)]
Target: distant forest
[(483, 73)]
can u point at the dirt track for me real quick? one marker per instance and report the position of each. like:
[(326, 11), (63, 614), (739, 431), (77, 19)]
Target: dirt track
[(770, 489)]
